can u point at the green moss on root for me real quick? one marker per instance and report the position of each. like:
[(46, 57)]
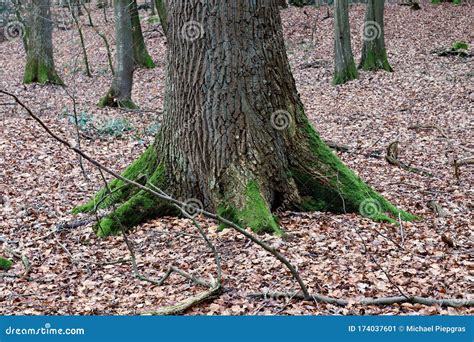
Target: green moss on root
[(139, 171), (346, 75), (375, 61), (110, 100), (5, 264), (256, 214), (36, 72), (139, 208), (146, 61), (339, 189)]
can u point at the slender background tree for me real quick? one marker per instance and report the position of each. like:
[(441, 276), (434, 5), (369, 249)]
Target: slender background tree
[(39, 60), (140, 52), (374, 54), (345, 68), (120, 92)]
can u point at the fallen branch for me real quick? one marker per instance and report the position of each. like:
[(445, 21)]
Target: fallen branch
[(458, 163), (368, 301), (185, 304)]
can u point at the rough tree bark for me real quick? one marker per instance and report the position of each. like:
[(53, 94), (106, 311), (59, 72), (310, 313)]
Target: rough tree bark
[(374, 54), (234, 133), (345, 68), (140, 53), (120, 92), (39, 59)]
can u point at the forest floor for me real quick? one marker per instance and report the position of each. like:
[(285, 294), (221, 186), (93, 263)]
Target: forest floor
[(70, 271)]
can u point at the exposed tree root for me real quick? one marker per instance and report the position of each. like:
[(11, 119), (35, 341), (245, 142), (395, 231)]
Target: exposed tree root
[(462, 302), (327, 184), (372, 61), (458, 163), (424, 127), (392, 158), (111, 99), (256, 213)]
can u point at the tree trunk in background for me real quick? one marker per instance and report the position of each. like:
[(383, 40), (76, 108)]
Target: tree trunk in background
[(39, 60), (152, 7), (345, 68), (120, 93), (235, 137), (163, 14), (140, 53), (374, 54)]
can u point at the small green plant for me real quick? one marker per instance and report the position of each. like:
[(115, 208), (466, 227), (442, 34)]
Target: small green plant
[(85, 121), (5, 264), (153, 20), (116, 127), (460, 46), (153, 128)]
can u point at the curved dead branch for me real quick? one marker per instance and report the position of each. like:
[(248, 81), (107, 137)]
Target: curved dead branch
[(368, 301)]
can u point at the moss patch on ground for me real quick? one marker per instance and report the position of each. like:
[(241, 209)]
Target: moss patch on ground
[(5, 264)]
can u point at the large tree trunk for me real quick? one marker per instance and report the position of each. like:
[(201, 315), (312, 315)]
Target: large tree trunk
[(374, 54), (235, 136), (344, 65), (120, 93), (140, 53), (39, 60)]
